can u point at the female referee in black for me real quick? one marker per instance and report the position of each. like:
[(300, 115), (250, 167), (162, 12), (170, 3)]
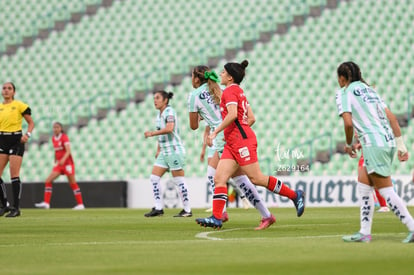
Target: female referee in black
[(12, 142)]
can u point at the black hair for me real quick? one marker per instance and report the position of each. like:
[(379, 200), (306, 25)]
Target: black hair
[(351, 72), (165, 95), (236, 70)]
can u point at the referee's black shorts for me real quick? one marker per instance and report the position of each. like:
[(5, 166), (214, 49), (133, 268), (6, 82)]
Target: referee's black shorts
[(10, 143)]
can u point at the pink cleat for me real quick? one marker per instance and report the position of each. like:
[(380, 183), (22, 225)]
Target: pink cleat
[(225, 217), (266, 222)]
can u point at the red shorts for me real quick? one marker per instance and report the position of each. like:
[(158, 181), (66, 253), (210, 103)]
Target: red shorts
[(67, 169), (244, 151)]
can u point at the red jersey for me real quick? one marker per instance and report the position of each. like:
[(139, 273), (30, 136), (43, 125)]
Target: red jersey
[(239, 129), (59, 143)]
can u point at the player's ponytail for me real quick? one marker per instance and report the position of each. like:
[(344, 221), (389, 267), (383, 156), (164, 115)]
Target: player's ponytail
[(205, 75), (213, 87)]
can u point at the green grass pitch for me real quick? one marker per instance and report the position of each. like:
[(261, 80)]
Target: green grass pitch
[(123, 241)]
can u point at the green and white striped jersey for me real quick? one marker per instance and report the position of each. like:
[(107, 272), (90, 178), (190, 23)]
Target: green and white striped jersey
[(169, 143), (368, 114), (200, 101)]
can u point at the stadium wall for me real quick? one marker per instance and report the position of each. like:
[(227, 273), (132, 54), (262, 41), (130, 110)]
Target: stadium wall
[(320, 192), (95, 194)]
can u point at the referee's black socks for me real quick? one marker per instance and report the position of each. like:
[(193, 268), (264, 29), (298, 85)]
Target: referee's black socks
[(17, 190)]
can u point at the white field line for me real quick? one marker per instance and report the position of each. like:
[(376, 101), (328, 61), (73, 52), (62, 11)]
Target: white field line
[(201, 237)]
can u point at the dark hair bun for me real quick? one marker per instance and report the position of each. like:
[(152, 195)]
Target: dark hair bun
[(244, 64), (170, 95)]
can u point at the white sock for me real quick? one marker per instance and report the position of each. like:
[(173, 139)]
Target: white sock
[(156, 192), (398, 207), (210, 177), (183, 191), (367, 207), (211, 172), (236, 187), (251, 194)]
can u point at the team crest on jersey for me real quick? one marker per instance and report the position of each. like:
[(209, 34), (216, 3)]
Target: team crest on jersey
[(244, 153)]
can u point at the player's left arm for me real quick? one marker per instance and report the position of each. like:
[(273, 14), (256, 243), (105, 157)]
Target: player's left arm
[(30, 127), (402, 149), (250, 116)]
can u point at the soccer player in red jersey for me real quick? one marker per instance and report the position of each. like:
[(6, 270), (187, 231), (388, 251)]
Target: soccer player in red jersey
[(64, 165), (240, 150)]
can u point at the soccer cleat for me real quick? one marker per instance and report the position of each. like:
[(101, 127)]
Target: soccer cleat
[(246, 203), (154, 213), (14, 212), (383, 209), (266, 222), (225, 217), (299, 202), (184, 213), (410, 238), (42, 204), (357, 238), (79, 207), (4, 210), (210, 222)]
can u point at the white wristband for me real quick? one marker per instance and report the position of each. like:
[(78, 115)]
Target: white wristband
[(28, 134), (400, 145)]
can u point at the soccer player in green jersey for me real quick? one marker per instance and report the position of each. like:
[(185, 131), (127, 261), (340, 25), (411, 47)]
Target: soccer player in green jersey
[(362, 109), (170, 155)]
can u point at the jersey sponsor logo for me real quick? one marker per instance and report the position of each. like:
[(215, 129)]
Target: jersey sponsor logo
[(206, 96)]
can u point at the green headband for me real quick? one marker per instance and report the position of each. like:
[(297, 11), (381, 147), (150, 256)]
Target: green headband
[(211, 75)]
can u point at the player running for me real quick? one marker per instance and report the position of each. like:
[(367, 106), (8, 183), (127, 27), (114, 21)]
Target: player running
[(204, 103), (240, 150)]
